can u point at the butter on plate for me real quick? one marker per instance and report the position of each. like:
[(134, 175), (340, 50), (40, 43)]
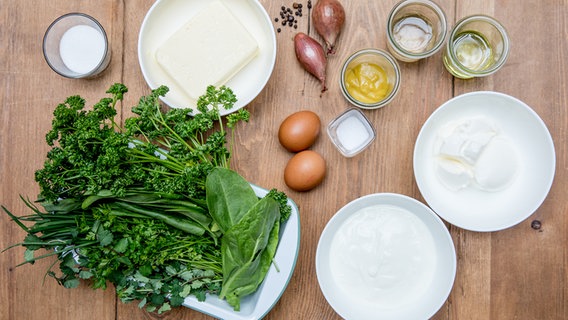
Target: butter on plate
[(208, 50)]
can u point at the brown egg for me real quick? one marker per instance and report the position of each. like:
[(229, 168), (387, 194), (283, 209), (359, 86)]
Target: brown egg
[(299, 130), (304, 171)]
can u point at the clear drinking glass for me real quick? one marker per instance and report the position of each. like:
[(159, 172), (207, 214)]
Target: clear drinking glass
[(477, 46), (76, 46), (416, 29)]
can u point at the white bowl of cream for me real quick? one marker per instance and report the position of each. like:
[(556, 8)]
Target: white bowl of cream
[(484, 161), (385, 256)]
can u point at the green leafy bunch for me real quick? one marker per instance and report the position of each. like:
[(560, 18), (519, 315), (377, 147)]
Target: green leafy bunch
[(89, 151), (130, 205)]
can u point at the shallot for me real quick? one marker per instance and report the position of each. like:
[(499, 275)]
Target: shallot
[(328, 17), (311, 56)]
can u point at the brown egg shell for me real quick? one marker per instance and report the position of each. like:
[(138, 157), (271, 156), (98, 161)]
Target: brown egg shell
[(299, 130), (305, 171)]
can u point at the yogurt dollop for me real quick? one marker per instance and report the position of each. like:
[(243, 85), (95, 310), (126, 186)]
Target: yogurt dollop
[(384, 255), (473, 152)]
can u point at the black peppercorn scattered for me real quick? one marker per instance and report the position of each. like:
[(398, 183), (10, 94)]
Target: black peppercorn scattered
[(536, 224), (289, 16)]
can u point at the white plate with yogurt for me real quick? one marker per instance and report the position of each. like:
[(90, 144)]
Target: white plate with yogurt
[(166, 17), (385, 256), (484, 161)]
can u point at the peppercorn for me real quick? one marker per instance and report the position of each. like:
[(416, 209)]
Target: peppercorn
[(289, 16), (536, 224)]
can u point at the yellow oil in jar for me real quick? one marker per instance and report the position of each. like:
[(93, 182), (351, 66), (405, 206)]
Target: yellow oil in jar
[(367, 82)]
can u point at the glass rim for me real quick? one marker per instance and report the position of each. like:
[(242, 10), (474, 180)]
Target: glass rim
[(444, 24), (391, 60), (78, 75), (502, 31)]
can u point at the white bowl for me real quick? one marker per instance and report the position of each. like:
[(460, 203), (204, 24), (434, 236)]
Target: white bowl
[(166, 16), (405, 268), (478, 210)]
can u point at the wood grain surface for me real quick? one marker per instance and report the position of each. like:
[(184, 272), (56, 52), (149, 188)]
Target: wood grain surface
[(517, 273)]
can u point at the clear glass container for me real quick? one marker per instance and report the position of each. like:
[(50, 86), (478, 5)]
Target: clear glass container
[(374, 58), (416, 29), (477, 46), (76, 46), (351, 132)]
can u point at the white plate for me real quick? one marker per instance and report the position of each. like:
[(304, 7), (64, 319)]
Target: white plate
[(479, 210), (258, 304), (408, 299), (166, 16)]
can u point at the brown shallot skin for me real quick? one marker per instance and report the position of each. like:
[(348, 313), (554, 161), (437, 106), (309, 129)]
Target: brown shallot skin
[(329, 18), (311, 56)]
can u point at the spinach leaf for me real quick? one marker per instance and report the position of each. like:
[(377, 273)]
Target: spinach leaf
[(247, 250), (229, 197)]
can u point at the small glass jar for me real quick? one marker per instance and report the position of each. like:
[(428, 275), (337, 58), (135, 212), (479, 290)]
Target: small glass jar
[(477, 46), (416, 29), (351, 132), (370, 78)]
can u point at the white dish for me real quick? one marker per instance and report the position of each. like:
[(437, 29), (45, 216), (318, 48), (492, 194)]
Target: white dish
[(166, 16), (258, 304), (417, 299), (479, 210)]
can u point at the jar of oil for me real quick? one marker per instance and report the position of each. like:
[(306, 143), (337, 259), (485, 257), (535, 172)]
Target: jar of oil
[(478, 46)]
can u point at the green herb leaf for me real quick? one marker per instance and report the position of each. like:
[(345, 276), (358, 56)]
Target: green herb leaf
[(71, 283), (243, 248), (229, 197)]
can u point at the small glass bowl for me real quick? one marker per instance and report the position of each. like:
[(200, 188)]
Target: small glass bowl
[(351, 132), (384, 60)]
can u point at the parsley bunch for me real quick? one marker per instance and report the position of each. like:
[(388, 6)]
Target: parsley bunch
[(126, 205)]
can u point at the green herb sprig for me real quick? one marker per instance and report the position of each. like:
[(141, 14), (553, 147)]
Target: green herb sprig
[(128, 205)]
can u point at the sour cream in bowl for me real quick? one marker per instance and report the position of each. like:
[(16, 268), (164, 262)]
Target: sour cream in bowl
[(385, 256), (484, 161)]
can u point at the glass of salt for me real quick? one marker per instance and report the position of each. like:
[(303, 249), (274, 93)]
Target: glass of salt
[(416, 29), (76, 46), (351, 132)]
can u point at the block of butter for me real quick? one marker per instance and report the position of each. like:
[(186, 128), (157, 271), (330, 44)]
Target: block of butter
[(208, 50)]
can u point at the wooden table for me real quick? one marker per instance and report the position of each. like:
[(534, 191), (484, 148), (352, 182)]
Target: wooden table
[(517, 273)]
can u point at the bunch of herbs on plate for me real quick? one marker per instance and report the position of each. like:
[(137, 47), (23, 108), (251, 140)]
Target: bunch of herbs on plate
[(152, 207)]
